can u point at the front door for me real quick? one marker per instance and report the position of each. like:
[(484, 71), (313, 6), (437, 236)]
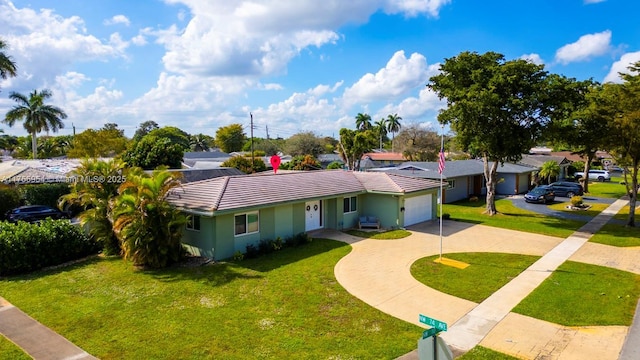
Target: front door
[(313, 215)]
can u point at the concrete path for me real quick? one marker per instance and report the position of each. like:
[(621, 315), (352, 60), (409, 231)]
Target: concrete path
[(378, 272), (37, 340)]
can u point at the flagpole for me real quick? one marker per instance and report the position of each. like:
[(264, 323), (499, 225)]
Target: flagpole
[(441, 159)]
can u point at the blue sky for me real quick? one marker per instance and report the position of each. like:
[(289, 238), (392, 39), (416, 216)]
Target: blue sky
[(297, 66)]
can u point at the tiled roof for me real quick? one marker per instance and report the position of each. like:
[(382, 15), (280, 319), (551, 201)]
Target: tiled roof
[(236, 192), (539, 160), (453, 169), (30, 175)]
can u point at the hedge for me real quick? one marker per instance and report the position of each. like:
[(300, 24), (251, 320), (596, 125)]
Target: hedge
[(26, 247)]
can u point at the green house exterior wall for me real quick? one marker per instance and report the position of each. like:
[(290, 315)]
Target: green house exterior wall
[(216, 238)]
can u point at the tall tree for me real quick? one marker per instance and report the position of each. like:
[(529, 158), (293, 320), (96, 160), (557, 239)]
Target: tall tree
[(144, 128), (393, 126), (148, 227), (230, 138), (549, 170), (152, 152), (363, 121), (304, 143), (497, 108), (98, 143), (36, 114), (353, 144), (624, 100), (418, 144), (7, 65), (174, 134), (381, 130), (201, 142), (584, 127), (95, 184)]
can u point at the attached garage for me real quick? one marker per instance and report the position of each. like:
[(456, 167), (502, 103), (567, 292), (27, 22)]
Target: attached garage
[(417, 209)]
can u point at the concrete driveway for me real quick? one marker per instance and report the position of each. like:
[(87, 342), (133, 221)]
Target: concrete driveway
[(378, 273)]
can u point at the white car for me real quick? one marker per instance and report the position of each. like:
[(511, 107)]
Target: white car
[(600, 175)]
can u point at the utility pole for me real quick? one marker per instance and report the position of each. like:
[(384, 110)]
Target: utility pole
[(267, 127), (252, 160)]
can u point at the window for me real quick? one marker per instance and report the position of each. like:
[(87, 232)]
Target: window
[(451, 184), (193, 222), (246, 223), (350, 204)]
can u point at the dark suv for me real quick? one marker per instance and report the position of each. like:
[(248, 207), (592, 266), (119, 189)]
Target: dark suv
[(34, 213), (566, 188)]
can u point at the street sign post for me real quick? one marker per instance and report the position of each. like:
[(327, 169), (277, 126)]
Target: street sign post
[(429, 332), (437, 324)]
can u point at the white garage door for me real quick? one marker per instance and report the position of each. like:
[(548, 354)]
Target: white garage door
[(417, 209)]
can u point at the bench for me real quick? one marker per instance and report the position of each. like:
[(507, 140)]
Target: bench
[(368, 222)]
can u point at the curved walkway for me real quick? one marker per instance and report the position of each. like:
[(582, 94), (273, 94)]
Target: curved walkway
[(378, 272)]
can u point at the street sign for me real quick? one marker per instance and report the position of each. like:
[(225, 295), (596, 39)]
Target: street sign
[(437, 324), (429, 332)]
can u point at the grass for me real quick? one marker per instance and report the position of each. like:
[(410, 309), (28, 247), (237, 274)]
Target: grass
[(608, 189), (617, 234), (9, 350), (595, 209), (511, 217), (495, 270), (380, 235), (287, 304), (482, 353), (578, 294)]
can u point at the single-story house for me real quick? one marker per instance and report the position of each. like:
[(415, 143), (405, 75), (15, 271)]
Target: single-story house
[(381, 159), (228, 213), (465, 178), (537, 161)]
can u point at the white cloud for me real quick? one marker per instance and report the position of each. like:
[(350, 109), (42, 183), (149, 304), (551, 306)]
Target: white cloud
[(259, 38), (398, 77), (533, 57), (117, 19), (621, 66), (64, 41), (139, 40), (593, 1), (586, 47)]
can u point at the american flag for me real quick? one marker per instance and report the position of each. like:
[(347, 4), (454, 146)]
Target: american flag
[(441, 161)]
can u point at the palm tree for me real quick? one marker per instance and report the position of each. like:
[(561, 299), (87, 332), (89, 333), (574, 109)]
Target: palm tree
[(7, 66), (393, 126), (199, 143), (549, 169), (36, 114), (381, 129), (94, 185), (363, 121), (149, 228)]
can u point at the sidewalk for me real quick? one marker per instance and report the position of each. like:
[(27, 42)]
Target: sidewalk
[(35, 339), (378, 272)]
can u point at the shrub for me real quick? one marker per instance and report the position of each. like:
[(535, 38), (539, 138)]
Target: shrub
[(277, 243), (252, 251), (335, 165), (44, 194), (576, 201), (265, 246), (9, 199), (238, 256), (27, 247)]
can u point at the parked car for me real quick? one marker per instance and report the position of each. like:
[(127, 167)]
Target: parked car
[(600, 175), (566, 188), (540, 194), (34, 213)]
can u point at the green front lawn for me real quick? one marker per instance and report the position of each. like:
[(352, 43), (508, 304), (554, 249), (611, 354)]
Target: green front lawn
[(482, 353), (578, 294), (617, 235), (608, 189), (495, 270), (511, 217), (287, 304)]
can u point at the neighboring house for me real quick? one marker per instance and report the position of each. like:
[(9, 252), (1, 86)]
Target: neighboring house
[(326, 159), (465, 178), (41, 171), (231, 212), (198, 174), (536, 161), (207, 159), (381, 159)]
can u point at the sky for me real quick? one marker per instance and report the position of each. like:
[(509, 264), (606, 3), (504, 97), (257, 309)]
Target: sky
[(297, 66)]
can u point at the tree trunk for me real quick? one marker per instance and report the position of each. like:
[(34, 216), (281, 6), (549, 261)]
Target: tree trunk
[(34, 145), (633, 196), (585, 173), (490, 177)]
